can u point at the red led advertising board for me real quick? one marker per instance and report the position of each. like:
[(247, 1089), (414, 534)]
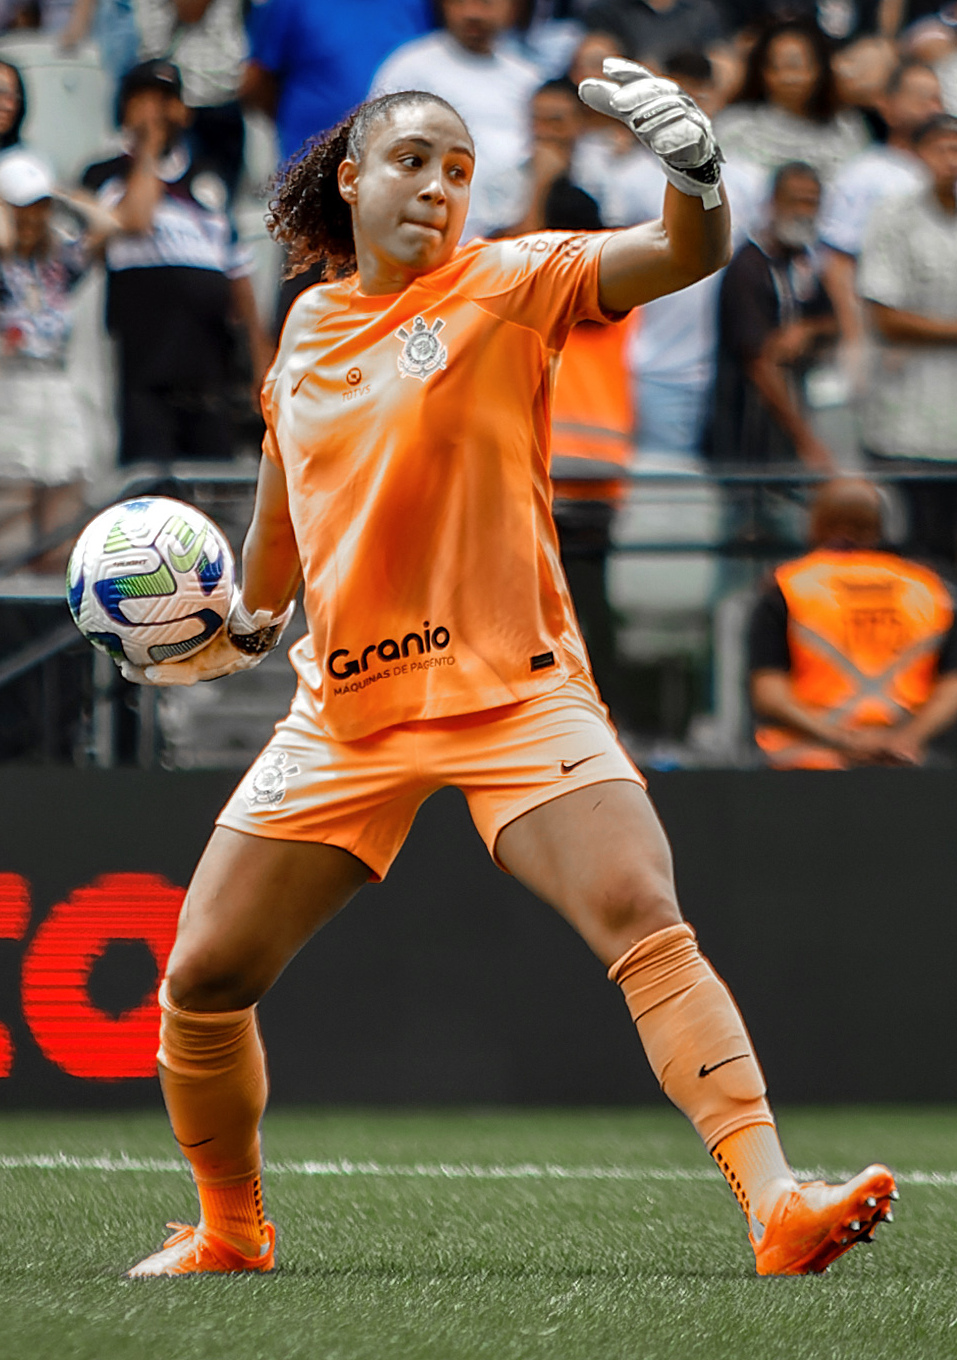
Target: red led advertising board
[(93, 871)]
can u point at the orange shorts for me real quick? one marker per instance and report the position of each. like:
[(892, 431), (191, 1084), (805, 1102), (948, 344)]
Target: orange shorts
[(363, 795)]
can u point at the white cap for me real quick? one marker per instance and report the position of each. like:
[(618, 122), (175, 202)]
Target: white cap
[(24, 178)]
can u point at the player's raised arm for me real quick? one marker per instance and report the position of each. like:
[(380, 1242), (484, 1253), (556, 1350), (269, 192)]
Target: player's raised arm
[(692, 238)]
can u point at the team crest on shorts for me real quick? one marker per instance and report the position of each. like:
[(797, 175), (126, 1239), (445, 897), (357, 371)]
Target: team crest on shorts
[(422, 352), (266, 785)]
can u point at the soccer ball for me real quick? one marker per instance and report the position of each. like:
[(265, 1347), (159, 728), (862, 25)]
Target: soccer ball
[(150, 580)]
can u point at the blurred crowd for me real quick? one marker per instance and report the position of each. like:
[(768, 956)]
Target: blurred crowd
[(828, 344)]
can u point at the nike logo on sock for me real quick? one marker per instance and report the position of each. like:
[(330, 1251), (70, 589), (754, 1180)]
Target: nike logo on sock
[(569, 765), (706, 1071)]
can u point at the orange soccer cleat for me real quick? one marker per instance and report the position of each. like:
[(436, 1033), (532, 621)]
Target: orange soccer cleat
[(200, 1251), (812, 1225)]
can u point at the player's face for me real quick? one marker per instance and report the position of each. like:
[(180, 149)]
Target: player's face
[(409, 195)]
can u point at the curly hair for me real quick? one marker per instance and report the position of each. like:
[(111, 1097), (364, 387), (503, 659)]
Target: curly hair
[(307, 214)]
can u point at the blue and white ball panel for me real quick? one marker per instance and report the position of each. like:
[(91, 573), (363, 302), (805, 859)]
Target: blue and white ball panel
[(150, 580)]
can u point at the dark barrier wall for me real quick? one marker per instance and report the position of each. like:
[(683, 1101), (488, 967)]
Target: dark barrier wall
[(827, 901)]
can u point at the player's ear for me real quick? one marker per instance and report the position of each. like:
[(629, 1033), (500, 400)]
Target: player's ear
[(347, 175)]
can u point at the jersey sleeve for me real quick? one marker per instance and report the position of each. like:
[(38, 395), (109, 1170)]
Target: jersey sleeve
[(883, 274), (270, 445), (841, 226), (947, 656), (749, 306), (768, 635), (268, 27), (547, 282)]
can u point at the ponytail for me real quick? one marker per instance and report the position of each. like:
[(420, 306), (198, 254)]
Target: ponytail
[(307, 214)]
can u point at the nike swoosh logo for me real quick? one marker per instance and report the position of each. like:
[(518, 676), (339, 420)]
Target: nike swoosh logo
[(706, 1071), (199, 1144), (569, 765)]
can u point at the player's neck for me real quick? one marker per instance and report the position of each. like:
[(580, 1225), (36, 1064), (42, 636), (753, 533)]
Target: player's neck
[(381, 276)]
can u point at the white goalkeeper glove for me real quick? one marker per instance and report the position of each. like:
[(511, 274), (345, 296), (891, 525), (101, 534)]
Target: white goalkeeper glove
[(244, 641), (665, 120)]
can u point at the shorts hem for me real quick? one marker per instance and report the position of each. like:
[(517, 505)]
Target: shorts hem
[(542, 796), (377, 872)]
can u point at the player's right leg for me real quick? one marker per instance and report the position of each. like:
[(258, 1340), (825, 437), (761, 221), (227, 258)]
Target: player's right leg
[(253, 902), (562, 808)]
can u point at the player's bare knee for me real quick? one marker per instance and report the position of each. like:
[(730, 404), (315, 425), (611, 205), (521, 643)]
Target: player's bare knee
[(628, 908), (206, 984)]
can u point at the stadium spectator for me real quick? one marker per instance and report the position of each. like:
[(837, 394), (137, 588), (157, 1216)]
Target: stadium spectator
[(886, 170), (550, 197), (207, 41), (653, 30), (13, 106), (947, 74), (593, 421), (908, 278), (175, 276), (853, 651), (51, 15), (112, 26), (787, 109), (46, 439), (309, 63), (773, 316), (543, 35), (491, 90)]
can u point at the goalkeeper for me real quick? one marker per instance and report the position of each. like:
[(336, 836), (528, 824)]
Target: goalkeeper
[(405, 484)]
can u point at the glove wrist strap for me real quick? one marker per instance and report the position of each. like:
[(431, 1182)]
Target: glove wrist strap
[(254, 634), (701, 181)]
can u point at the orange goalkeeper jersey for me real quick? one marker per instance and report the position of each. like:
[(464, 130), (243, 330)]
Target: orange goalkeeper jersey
[(413, 430)]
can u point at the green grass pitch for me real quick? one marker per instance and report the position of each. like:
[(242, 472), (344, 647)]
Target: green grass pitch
[(505, 1235)]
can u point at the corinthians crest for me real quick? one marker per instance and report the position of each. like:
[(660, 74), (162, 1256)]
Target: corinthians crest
[(423, 352), (266, 785)]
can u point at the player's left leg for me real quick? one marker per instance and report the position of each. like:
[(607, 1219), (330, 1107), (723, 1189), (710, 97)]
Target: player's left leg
[(599, 855)]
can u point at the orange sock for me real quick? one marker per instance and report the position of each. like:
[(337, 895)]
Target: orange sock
[(755, 1167), (693, 1034), (213, 1072)]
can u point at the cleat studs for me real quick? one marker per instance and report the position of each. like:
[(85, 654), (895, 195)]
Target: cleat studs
[(871, 1202), (895, 1195), (855, 1225), (843, 1241), (889, 1217)]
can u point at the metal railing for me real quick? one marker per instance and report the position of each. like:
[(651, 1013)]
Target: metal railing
[(752, 537)]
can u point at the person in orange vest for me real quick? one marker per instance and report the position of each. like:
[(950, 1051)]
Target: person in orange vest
[(593, 423), (853, 651)]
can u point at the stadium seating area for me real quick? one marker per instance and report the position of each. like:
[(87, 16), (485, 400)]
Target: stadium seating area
[(710, 504)]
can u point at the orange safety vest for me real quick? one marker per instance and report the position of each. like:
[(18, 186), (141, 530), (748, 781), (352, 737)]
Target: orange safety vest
[(593, 414), (864, 632)]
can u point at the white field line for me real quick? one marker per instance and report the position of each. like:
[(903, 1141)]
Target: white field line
[(525, 1171)]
